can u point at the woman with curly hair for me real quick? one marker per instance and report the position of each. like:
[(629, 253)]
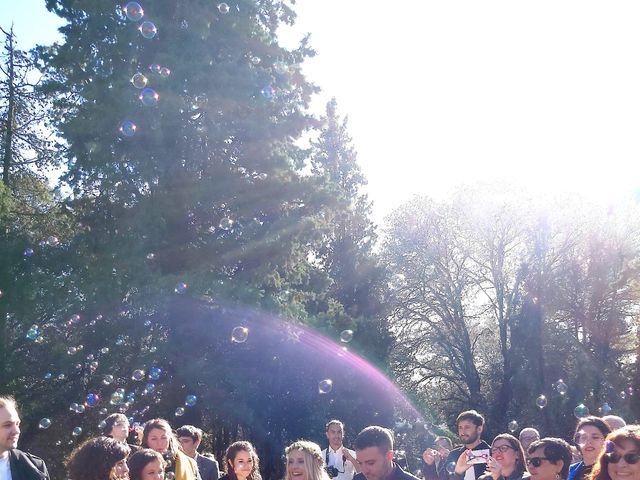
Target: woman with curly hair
[(241, 462), (100, 458), (305, 462), (620, 459), (157, 435)]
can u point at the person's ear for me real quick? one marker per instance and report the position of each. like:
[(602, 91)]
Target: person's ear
[(480, 428), (390, 455)]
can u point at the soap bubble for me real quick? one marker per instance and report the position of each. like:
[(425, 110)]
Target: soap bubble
[(74, 407), (513, 426), (268, 92), (44, 423), (179, 412), (103, 411), (581, 411), (155, 373), (92, 399), (155, 68), (120, 340), (33, 332), (223, 8), (138, 375), (239, 334), (52, 241), (149, 387), (623, 394), (226, 223), (255, 60), (451, 468), (169, 476), (605, 409), (117, 398), (139, 80), (181, 288), (72, 350), (77, 431), (149, 97), (48, 375), (541, 401), (127, 128), (346, 336), (104, 350), (164, 72), (102, 424), (562, 387), (151, 256), (280, 68), (62, 376), (28, 252), (325, 386), (190, 400), (133, 11), (148, 29)]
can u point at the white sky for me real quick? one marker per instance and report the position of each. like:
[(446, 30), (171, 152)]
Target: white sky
[(444, 93)]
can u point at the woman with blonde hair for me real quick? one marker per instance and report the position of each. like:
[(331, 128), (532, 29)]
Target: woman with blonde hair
[(305, 462)]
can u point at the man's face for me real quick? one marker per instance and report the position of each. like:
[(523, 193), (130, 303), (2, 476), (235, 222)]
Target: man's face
[(9, 428), (527, 438), (375, 464), (335, 435), (468, 432), (189, 445)]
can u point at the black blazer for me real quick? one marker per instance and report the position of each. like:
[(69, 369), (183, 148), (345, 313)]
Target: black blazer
[(25, 466)]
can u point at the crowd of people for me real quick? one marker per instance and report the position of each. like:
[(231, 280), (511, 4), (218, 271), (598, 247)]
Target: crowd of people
[(606, 450)]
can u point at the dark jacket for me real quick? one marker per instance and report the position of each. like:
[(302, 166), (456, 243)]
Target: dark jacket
[(396, 474), (25, 466), (208, 467), (479, 468)]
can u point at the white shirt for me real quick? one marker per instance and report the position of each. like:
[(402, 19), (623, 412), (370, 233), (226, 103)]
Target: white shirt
[(346, 469), (5, 468)]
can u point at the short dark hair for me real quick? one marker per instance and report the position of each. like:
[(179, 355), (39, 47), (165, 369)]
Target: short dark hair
[(95, 458), (472, 416), (594, 422), (110, 421), (446, 439), (555, 449), (375, 436), (141, 459), (334, 422), (189, 431)]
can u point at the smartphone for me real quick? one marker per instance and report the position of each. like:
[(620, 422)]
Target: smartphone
[(477, 456)]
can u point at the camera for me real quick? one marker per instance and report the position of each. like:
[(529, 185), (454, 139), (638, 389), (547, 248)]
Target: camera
[(332, 472)]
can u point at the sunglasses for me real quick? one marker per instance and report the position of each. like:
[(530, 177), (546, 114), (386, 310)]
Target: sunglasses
[(501, 449), (536, 461), (629, 458)]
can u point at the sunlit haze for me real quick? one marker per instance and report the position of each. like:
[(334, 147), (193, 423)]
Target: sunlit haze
[(441, 94)]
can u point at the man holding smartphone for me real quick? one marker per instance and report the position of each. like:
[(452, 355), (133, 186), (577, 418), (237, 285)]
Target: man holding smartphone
[(474, 451)]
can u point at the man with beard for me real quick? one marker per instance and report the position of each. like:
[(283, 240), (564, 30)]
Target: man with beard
[(460, 461)]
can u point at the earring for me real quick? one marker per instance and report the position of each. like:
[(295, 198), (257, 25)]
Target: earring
[(557, 475)]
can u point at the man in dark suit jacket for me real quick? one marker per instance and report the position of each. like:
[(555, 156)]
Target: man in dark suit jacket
[(190, 438), (16, 464)]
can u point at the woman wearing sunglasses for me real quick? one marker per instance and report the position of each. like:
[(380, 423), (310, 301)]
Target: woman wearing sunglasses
[(549, 459), (620, 459), (507, 460), (589, 438)]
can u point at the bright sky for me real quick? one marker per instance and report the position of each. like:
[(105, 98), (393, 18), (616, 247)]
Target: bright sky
[(445, 93)]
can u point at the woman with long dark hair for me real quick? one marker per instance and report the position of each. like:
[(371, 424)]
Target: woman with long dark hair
[(241, 462), (100, 458), (620, 459), (589, 438)]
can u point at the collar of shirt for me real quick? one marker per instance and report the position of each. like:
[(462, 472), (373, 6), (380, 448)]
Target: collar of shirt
[(335, 452)]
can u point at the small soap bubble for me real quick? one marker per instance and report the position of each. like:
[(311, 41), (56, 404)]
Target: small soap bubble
[(108, 379), (103, 424), (120, 340), (73, 407), (116, 398), (513, 426), (181, 288), (139, 80), (127, 128), (268, 92), (48, 375), (239, 334), (223, 8), (623, 395), (33, 333), (164, 72), (581, 411), (52, 241), (325, 386), (169, 476), (151, 256), (147, 323), (605, 409), (62, 376), (28, 252), (72, 350), (133, 11), (155, 68), (103, 411), (44, 423), (148, 29), (226, 223), (39, 339), (255, 60), (149, 387), (92, 399), (131, 397), (149, 97), (451, 468), (179, 412), (155, 373), (190, 400), (77, 431), (280, 67), (562, 387), (104, 350), (138, 375), (541, 401), (346, 336)]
